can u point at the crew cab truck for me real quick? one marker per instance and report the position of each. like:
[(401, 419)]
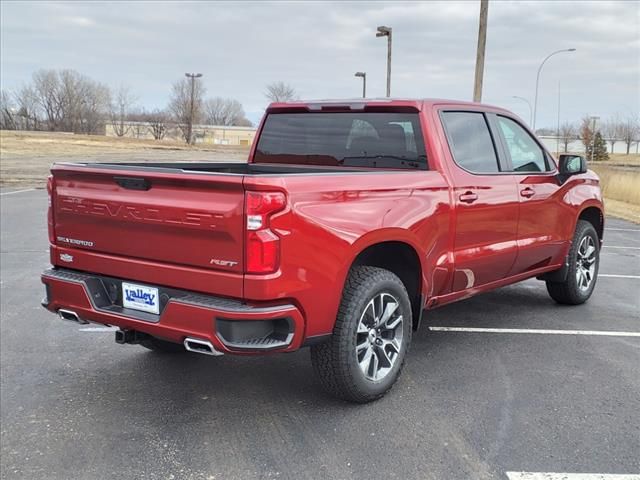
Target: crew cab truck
[(350, 219)]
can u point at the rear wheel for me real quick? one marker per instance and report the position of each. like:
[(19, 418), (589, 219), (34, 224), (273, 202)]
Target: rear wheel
[(366, 353), (583, 262), (162, 346)]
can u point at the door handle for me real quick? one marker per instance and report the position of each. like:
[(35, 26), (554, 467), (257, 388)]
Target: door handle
[(468, 197), (527, 192)]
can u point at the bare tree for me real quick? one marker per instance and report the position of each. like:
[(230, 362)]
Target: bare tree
[(612, 130), (85, 103), (568, 133), (280, 92), (95, 108), (70, 101), (28, 108), (120, 109), (630, 131), (7, 112), (224, 111), (71, 93), (586, 133), (180, 104), (46, 84), (158, 123)]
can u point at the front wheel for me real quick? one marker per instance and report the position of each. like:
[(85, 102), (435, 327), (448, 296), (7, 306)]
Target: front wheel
[(365, 355), (583, 262)]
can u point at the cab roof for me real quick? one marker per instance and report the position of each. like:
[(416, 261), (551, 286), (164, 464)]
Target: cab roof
[(362, 103)]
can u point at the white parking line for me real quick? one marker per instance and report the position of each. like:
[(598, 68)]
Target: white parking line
[(628, 248), (18, 191), (570, 476), (603, 333), (99, 329), (611, 275)]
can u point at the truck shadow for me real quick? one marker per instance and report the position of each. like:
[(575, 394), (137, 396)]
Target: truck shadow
[(145, 378), (207, 387)]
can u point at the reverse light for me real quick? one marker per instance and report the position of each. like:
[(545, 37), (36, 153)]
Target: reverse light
[(262, 244)]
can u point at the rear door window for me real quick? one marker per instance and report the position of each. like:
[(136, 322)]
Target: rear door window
[(363, 139), (470, 141)]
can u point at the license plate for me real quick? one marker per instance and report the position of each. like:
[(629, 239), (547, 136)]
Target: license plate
[(139, 297)]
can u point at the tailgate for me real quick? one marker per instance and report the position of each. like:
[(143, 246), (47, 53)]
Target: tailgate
[(177, 218)]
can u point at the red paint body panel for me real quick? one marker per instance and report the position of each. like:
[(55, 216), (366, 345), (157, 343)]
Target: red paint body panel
[(330, 223), (188, 231)]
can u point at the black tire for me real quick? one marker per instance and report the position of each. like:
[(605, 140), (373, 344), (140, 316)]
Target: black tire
[(569, 292), (162, 346), (336, 362)]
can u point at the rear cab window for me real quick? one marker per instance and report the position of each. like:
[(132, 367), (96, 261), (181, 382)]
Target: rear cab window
[(351, 139)]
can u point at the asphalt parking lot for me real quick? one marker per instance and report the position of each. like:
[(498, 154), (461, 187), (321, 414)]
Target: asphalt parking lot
[(470, 405)]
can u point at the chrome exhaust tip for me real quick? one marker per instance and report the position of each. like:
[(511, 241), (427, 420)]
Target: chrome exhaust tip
[(201, 346), (71, 316)]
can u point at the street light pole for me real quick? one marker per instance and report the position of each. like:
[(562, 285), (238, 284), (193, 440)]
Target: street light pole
[(558, 124), (528, 104), (363, 75), (535, 102), (193, 77), (386, 32)]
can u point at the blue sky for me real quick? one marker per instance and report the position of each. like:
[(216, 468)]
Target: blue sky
[(317, 46)]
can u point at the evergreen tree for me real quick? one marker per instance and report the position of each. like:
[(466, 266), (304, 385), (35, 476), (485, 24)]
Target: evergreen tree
[(597, 149)]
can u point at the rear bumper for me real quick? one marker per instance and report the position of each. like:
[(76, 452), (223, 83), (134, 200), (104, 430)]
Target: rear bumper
[(230, 325)]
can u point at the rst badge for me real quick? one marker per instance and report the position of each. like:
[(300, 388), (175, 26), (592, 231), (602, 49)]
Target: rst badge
[(222, 263)]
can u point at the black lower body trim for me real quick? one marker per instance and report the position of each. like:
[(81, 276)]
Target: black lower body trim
[(315, 340)]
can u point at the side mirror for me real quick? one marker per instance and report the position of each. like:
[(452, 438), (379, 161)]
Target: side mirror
[(572, 164)]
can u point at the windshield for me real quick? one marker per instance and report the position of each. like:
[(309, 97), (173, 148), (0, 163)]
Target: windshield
[(364, 139)]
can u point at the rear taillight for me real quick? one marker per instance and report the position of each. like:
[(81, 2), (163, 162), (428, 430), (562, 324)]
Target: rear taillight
[(262, 244), (50, 221)]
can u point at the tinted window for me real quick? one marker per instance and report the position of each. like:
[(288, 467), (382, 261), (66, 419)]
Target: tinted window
[(365, 139), (470, 141), (526, 154)]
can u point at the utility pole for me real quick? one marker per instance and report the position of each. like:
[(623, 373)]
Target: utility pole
[(593, 135), (386, 32), (363, 75), (193, 77), (482, 43)]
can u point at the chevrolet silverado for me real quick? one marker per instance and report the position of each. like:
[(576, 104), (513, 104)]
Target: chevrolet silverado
[(349, 220)]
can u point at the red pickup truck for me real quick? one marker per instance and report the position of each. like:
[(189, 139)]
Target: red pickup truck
[(349, 220)]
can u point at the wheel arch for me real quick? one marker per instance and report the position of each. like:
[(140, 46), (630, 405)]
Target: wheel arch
[(591, 213), (595, 216), (400, 257)]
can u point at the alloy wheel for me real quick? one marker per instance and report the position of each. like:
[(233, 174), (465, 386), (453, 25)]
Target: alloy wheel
[(586, 263), (379, 336)]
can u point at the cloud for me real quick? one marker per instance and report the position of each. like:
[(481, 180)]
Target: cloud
[(79, 21), (315, 46)]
